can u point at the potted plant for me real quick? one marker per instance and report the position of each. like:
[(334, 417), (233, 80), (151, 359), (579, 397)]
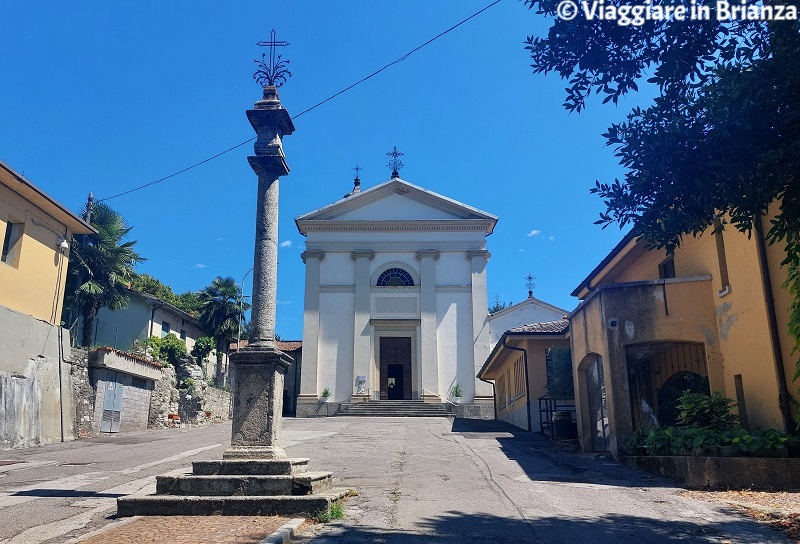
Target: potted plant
[(455, 393), (326, 395)]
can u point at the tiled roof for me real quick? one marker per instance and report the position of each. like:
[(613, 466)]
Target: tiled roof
[(289, 345), (546, 327)]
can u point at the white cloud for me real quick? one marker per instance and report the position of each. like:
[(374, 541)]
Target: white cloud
[(534, 232), (520, 250), (551, 238), (199, 265), (285, 302), (286, 243)]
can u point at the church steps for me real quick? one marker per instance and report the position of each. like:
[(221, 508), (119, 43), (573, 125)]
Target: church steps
[(394, 408), (307, 483)]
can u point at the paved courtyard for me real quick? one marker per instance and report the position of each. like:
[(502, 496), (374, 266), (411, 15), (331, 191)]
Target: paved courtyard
[(418, 480)]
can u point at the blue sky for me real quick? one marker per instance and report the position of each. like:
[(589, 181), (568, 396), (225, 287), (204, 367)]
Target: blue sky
[(106, 96)]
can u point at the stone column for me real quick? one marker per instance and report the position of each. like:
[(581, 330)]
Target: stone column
[(478, 390), (259, 368), (362, 333), (309, 375), (428, 340)]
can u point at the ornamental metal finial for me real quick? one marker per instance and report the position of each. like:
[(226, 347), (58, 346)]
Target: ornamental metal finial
[(395, 164), (357, 169), (275, 71), (529, 284)]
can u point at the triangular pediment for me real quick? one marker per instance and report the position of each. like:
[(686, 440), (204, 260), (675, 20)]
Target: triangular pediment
[(395, 201)]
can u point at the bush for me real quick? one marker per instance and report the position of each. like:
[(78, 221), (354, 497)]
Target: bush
[(559, 373), (172, 349), (707, 412)]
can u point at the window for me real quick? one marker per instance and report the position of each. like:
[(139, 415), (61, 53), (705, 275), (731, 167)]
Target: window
[(395, 277), (183, 335), (519, 378), (667, 269), (501, 392), (11, 243), (164, 329)]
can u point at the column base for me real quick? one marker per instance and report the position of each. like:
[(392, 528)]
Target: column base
[(363, 397), (254, 452)]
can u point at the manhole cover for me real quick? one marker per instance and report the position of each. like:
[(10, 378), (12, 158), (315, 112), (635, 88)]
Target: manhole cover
[(76, 464), (4, 463)]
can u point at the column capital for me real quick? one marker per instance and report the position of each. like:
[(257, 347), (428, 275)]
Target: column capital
[(428, 253), (362, 254), (312, 255), (474, 254)]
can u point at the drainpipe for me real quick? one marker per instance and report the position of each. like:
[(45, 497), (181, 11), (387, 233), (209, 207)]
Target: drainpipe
[(153, 316), (527, 383), (772, 320)]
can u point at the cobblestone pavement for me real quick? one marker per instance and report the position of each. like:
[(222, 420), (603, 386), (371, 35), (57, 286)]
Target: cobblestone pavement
[(189, 530)]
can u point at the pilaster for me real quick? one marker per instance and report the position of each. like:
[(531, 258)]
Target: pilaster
[(309, 391), (428, 338), (362, 330), (479, 390)]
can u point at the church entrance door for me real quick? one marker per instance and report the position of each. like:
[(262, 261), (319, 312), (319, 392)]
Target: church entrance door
[(395, 362)]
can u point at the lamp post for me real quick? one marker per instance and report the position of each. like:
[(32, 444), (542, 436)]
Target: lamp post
[(241, 311)]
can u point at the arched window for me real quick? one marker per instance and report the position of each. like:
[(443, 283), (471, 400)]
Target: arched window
[(395, 277)]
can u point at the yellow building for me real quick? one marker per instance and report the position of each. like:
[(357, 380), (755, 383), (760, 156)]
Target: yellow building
[(36, 232), (517, 367), (650, 326)]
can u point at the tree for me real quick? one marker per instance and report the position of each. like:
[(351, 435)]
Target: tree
[(721, 142), (497, 305), (202, 347), (101, 267), (222, 308), (147, 284)]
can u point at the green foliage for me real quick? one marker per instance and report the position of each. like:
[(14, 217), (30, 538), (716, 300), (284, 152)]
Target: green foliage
[(172, 349), (100, 267), (326, 393), (147, 284), (221, 310), (190, 386), (706, 412), (334, 511), (559, 373), (497, 305), (456, 391), (202, 347)]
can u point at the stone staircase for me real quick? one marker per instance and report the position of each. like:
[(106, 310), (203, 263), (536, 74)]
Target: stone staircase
[(394, 408), (238, 487)]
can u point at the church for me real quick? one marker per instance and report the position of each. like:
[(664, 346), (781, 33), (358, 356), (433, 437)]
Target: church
[(396, 302)]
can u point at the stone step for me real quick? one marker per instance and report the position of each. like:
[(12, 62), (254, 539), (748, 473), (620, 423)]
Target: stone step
[(383, 414), (255, 467), (176, 505), (244, 485)]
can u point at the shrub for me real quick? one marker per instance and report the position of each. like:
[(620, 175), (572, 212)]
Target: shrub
[(559, 373), (707, 412), (172, 349)]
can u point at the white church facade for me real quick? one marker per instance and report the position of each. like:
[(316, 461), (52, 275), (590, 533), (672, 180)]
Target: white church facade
[(395, 299)]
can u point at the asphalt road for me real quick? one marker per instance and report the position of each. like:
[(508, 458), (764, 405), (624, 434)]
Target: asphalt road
[(419, 480)]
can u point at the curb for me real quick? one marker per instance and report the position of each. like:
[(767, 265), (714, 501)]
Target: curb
[(284, 533)]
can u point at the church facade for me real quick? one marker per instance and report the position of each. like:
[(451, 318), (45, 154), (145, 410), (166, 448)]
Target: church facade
[(395, 299)]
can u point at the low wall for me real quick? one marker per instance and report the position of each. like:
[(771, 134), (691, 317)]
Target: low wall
[(35, 402), (756, 473), (218, 402)]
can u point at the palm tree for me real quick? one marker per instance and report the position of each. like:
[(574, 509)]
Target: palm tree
[(101, 267), (221, 309)]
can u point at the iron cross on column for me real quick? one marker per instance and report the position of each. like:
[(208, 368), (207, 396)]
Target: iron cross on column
[(395, 164), (274, 73)]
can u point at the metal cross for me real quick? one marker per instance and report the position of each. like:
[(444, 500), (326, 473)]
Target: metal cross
[(357, 169), (395, 164), (529, 284), (274, 73)]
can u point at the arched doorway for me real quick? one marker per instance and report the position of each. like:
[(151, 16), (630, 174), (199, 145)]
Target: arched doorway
[(596, 403)]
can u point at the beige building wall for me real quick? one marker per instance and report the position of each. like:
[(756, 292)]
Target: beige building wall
[(33, 274)]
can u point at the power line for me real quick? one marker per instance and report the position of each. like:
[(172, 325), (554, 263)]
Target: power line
[(318, 104)]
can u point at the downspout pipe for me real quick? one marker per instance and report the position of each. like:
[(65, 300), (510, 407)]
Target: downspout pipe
[(777, 353), (527, 383)]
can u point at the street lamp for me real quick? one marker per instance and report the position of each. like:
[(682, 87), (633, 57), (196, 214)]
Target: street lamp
[(241, 310)]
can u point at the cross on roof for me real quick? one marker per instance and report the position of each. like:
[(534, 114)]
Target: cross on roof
[(274, 73), (529, 284), (395, 164), (357, 169)]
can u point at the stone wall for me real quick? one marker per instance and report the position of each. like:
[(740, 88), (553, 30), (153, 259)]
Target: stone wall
[(163, 399), (218, 403), (82, 394)]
